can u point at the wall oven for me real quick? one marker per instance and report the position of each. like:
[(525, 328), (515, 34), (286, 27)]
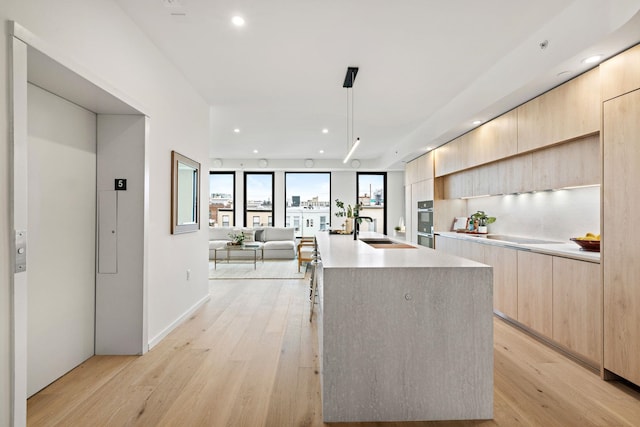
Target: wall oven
[(425, 223)]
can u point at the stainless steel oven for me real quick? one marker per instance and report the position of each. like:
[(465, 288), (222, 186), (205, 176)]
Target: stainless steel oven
[(425, 223)]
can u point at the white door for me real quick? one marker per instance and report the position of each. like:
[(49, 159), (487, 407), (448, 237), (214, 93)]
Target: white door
[(61, 228)]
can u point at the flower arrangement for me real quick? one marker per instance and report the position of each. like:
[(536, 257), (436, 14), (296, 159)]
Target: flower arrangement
[(236, 239)]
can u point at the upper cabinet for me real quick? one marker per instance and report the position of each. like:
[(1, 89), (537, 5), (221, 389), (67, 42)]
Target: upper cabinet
[(492, 141), (621, 74), (419, 169), (569, 111)]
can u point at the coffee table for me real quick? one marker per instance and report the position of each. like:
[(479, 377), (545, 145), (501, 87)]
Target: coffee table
[(238, 248)]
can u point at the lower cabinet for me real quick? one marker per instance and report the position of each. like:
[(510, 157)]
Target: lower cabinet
[(576, 307), (505, 278), (555, 297), (535, 292)]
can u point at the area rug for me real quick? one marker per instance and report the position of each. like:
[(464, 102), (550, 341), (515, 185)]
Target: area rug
[(267, 269)]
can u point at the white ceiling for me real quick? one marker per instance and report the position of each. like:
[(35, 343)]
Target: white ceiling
[(428, 68)]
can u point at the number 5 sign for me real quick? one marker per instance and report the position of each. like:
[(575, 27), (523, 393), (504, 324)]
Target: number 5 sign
[(121, 184)]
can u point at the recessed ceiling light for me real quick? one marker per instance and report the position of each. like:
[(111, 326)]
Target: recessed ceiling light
[(477, 122), (236, 130), (238, 21), (563, 73), (592, 59), (429, 148), (325, 130), (321, 151), (255, 151)]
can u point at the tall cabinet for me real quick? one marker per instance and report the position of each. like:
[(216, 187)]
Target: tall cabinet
[(621, 207)]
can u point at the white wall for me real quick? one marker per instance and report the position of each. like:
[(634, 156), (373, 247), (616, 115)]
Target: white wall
[(101, 39), (548, 214)]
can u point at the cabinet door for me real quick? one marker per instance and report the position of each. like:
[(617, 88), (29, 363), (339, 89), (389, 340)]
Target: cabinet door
[(535, 292), (569, 111), (486, 180), (515, 174), (621, 194), (621, 74), (471, 250), (458, 185), (425, 166), (505, 278), (494, 140), (447, 245), (576, 306), (565, 165)]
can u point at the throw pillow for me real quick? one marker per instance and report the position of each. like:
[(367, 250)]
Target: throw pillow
[(249, 235)]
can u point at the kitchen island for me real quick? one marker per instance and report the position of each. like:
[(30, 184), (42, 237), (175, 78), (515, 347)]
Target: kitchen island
[(405, 333)]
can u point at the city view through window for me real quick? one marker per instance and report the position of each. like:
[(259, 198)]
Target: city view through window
[(371, 197), (307, 195), (221, 208), (308, 201)]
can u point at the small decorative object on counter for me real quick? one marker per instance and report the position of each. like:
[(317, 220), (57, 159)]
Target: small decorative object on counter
[(589, 242), (479, 221)]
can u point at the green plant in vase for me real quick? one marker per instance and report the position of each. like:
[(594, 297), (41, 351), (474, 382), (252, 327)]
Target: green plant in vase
[(480, 221), (237, 239)]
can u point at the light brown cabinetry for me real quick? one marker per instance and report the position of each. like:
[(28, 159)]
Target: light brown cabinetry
[(493, 140), (566, 112), (621, 74), (576, 307), (621, 204), (569, 164), (419, 169), (505, 278), (515, 175), (487, 143), (535, 292)]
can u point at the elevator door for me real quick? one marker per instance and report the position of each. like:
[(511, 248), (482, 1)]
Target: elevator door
[(61, 233)]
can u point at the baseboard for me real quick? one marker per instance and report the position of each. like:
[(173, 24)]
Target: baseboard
[(166, 331)]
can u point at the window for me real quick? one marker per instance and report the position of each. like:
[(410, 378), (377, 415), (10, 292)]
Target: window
[(258, 200), (372, 193), (308, 200), (221, 199)]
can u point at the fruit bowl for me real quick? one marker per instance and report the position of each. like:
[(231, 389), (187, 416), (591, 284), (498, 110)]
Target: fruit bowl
[(587, 245)]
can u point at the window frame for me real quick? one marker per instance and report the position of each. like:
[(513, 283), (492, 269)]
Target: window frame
[(247, 212), (233, 194), (301, 224), (384, 194)]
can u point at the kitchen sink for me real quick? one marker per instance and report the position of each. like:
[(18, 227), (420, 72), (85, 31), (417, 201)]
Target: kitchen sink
[(380, 241)]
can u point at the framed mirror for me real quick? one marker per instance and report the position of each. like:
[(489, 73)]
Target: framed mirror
[(185, 194)]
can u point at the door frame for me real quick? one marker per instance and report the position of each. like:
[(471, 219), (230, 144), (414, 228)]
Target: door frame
[(107, 100)]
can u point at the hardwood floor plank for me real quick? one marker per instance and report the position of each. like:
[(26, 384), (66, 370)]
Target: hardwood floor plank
[(249, 357)]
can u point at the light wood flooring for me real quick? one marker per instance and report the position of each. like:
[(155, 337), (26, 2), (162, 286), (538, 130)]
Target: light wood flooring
[(249, 358)]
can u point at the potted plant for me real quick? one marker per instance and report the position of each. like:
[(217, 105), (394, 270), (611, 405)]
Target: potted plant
[(480, 221), (349, 212), (237, 239)]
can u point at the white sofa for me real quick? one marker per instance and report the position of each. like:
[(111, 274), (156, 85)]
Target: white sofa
[(274, 242)]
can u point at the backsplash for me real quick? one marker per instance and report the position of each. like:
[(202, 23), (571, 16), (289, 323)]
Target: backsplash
[(556, 215)]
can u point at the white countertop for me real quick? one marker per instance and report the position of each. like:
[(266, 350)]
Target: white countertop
[(341, 251), (567, 250)]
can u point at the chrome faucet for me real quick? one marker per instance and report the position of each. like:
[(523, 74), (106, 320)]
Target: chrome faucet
[(356, 225)]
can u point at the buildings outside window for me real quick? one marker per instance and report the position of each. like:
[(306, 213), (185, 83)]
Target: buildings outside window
[(372, 193), (221, 199), (258, 201), (308, 200)]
